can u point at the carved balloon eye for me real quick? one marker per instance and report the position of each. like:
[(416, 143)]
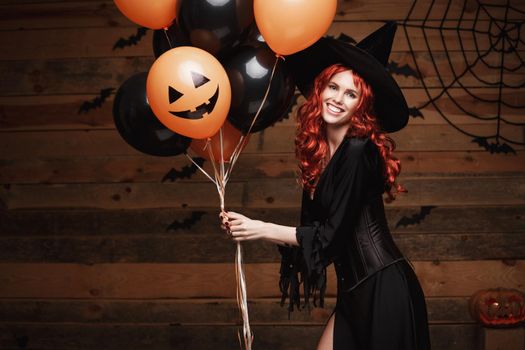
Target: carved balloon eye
[(198, 79), (174, 94)]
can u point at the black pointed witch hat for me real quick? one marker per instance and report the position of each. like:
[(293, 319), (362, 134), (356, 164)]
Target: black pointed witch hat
[(368, 58)]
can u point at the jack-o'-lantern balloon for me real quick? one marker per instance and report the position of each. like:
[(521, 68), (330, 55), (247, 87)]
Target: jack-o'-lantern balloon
[(189, 92)]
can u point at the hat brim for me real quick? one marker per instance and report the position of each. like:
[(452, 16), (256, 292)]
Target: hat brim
[(389, 103)]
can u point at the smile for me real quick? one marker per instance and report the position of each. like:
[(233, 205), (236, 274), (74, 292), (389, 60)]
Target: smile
[(333, 108), (198, 113)]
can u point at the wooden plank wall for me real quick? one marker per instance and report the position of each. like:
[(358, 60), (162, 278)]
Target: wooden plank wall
[(96, 252)]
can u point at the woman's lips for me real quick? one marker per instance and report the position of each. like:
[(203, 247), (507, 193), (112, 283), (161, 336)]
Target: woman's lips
[(334, 109)]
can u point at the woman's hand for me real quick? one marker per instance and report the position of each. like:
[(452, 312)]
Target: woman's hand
[(242, 228)]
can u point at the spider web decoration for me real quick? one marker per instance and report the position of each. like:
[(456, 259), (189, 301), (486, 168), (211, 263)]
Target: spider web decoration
[(488, 39)]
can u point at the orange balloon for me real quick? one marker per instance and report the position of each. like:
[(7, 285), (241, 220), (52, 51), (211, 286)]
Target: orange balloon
[(289, 26), (154, 14), (189, 92), (230, 139)]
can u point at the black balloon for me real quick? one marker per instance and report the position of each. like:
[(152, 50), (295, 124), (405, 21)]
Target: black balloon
[(252, 36), (164, 40), (137, 124), (249, 69), (215, 25)]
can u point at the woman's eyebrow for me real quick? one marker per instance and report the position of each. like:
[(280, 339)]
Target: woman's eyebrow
[(351, 90), (354, 91)]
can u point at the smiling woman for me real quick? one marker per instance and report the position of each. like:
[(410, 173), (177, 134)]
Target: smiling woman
[(189, 92), (346, 165)]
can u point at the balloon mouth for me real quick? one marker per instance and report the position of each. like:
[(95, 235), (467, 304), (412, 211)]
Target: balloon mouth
[(198, 113)]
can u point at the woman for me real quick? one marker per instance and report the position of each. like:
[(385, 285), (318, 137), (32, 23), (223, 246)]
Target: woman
[(346, 165)]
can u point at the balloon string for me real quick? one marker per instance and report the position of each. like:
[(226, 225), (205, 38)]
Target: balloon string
[(235, 155), (242, 301), (241, 294), (168, 37), (243, 140), (222, 176), (265, 95), (222, 158), (219, 180), (200, 168)]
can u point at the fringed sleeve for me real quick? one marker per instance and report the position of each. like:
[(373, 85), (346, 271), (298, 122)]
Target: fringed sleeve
[(296, 270), (346, 182), (315, 262), (289, 281)]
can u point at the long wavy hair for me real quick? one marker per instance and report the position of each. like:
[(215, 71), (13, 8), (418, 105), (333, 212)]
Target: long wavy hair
[(311, 144)]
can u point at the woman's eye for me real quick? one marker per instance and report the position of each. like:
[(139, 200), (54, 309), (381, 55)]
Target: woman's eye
[(332, 87)]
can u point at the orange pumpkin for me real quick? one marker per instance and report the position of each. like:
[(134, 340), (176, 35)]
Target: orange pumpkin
[(498, 307), (189, 92)]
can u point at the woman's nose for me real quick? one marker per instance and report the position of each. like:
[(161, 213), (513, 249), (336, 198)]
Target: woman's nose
[(338, 98)]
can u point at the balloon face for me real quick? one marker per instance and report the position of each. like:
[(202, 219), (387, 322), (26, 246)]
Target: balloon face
[(199, 111), (189, 92)]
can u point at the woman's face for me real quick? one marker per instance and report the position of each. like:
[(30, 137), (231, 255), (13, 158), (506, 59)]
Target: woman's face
[(340, 99)]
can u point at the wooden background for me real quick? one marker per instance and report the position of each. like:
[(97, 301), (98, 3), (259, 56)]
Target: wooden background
[(87, 258)]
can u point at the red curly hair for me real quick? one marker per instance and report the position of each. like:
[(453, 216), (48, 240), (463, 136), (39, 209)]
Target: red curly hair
[(311, 145)]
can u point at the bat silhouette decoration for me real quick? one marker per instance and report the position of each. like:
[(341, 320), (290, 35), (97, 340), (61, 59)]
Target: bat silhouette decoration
[(405, 70), (97, 102), (416, 218), (22, 341), (187, 223), (493, 147), (415, 113), (185, 173), (132, 40)]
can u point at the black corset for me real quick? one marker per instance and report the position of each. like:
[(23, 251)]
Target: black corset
[(366, 250)]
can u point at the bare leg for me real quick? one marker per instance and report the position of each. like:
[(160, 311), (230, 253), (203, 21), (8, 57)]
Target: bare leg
[(327, 339)]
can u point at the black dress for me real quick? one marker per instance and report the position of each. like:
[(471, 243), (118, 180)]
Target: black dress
[(380, 304)]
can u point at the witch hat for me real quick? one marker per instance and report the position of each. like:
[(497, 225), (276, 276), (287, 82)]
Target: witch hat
[(368, 58)]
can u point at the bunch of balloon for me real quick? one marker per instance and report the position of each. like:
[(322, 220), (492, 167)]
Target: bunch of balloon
[(187, 90), (190, 92)]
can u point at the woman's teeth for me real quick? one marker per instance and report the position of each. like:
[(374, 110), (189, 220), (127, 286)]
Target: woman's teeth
[(334, 108)]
